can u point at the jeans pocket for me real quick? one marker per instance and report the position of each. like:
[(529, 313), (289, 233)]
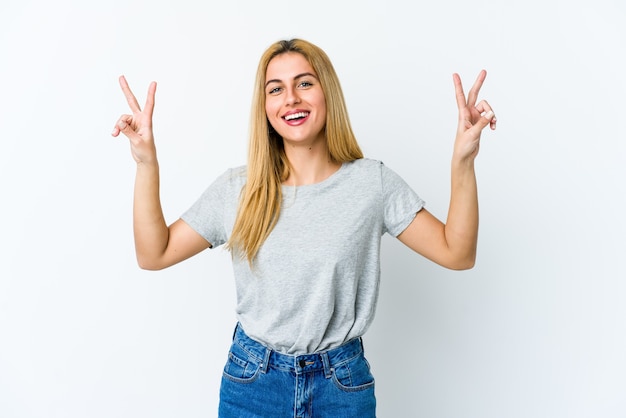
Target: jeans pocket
[(353, 375), (240, 366)]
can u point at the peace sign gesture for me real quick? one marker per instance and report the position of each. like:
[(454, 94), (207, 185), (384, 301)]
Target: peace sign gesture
[(473, 118), (138, 126)]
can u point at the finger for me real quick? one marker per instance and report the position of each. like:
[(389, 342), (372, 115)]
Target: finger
[(458, 90), (149, 106), (121, 123), (124, 125), (492, 123), (472, 96), (483, 107), (130, 97), (481, 123)]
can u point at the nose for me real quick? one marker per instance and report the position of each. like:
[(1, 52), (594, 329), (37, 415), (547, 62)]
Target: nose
[(292, 97)]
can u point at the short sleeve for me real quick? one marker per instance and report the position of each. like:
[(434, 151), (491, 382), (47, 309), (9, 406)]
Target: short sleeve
[(401, 203), (207, 216)]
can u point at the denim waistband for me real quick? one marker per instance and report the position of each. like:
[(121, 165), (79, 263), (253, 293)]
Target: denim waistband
[(304, 363)]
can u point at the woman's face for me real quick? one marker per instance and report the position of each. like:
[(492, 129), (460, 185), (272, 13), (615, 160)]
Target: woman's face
[(294, 101)]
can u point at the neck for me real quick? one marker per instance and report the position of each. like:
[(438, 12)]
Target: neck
[(309, 165)]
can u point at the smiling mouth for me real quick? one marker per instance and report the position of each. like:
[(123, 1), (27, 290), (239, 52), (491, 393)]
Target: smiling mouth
[(296, 116)]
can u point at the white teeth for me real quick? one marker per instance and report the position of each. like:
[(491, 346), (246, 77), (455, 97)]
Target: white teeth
[(296, 115)]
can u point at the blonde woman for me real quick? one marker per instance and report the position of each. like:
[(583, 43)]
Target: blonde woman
[(304, 220)]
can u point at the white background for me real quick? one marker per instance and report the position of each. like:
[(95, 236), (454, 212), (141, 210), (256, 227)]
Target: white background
[(536, 329)]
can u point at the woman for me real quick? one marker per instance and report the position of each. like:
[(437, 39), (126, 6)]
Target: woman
[(303, 220)]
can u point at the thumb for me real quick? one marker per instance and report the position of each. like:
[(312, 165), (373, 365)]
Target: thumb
[(483, 122)]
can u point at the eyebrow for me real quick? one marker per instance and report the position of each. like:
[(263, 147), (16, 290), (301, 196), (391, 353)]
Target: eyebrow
[(275, 80)]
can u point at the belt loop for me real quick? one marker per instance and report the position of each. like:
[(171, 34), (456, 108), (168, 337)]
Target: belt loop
[(266, 360), (326, 363), (235, 330)]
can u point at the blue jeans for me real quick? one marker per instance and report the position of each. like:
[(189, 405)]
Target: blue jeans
[(259, 382)]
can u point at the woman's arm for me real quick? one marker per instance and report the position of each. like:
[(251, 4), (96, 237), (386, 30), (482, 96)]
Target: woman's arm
[(453, 244), (157, 246)]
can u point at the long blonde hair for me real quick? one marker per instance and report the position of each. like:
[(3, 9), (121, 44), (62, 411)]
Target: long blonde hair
[(268, 166)]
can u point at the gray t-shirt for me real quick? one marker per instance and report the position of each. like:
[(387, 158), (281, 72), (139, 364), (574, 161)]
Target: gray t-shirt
[(314, 283)]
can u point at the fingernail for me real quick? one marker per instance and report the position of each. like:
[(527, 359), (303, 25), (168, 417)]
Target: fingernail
[(489, 115), (121, 125)]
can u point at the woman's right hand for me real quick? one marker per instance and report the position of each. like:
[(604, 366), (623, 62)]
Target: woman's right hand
[(138, 126)]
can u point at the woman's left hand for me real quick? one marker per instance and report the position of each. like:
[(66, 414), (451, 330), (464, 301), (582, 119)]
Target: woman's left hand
[(473, 118)]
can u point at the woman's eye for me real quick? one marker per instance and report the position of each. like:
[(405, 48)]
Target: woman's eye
[(274, 90), (305, 84)]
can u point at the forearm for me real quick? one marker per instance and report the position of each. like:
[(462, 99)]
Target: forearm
[(461, 229), (150, 230)]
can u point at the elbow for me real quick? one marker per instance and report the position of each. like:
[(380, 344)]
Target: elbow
[(463, 263), (463, 266), (148, 267), (148, 264)]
